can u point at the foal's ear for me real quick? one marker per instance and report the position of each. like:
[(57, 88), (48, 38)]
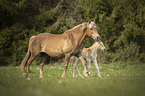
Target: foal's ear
[(99, 42), (94, 21), (84, 25)]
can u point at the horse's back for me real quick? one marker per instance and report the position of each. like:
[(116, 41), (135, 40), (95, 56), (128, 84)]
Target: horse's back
[(52, 44), (87, 52)]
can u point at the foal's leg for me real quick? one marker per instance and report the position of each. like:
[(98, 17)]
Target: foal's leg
[(66, 61), (96, 65), (85, 66), (89, 64), (76, 67), (79, 72)]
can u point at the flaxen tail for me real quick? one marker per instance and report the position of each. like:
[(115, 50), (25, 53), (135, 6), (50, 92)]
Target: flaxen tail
[(24, 62)]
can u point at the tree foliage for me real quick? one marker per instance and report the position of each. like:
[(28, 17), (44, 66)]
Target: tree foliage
[(119, 22)]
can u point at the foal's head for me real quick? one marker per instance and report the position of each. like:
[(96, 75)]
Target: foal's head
[(92, 31), (100, 45)]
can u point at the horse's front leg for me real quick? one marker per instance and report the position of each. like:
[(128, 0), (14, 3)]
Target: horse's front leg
[(96, 65), (41, 65), (66, 61), (85, 66)]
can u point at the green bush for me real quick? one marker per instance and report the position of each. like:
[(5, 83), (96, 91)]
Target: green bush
[(120, 24), (14, 43), (62, 25), (130, 52)]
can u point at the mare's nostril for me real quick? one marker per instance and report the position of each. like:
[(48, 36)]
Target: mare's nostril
[(104, 50), (98, 38)]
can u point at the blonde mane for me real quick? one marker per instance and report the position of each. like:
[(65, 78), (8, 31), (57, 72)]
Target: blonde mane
[(74, 28)]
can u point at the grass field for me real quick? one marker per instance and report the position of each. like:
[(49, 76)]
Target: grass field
[(118, 79)]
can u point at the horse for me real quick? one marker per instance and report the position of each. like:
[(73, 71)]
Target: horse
[(59, 45), (90, 54)]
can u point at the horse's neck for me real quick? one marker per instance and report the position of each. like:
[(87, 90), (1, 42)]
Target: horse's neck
[(79, 35)]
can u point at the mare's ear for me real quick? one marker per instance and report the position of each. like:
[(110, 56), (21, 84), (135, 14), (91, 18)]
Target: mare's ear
[(94, 21), (89, 21)]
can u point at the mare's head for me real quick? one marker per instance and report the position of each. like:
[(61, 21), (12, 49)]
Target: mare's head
[(92, 31), (100, 45)]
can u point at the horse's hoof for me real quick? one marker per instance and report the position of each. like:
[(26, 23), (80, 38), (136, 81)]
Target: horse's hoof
[(41, 76), (63, 76), (25, 74), (22, 70), (86, 75)]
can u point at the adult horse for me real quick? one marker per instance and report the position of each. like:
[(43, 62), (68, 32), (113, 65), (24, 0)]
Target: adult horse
[(56, 46)]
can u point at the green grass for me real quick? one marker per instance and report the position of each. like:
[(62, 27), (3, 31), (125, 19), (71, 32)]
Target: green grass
[(118, 79)]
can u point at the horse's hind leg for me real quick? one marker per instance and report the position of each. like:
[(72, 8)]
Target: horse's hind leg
[(24, 62), (28, 64), (44, 57)]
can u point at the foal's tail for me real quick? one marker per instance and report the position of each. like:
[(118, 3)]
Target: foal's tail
[(24, 62)]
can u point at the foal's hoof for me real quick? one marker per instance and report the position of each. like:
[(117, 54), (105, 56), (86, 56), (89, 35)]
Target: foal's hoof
[(74, 76), (100, 76), (25, 74), (81, 76)]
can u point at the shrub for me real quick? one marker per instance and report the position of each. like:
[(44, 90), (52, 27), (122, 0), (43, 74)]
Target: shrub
[(127, 53)]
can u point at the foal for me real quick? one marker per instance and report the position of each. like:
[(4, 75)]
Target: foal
[(90, 54)]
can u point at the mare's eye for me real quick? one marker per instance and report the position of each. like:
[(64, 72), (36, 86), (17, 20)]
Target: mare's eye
[(91, 28)]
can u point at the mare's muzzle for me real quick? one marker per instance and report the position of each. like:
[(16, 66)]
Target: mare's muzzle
[(96, 37), (104, 50)]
